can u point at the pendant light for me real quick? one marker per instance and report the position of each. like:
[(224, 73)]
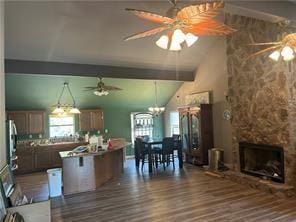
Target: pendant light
[(156, 110), (64, 109)]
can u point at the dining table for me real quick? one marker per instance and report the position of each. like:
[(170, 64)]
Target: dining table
[(151, 143)]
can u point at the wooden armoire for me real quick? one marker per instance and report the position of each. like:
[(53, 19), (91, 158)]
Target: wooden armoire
[(196, 129)]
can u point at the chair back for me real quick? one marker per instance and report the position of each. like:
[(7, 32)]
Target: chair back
[(140, 146), (176, 137), (146, 138), (177, 141), (168, 145)]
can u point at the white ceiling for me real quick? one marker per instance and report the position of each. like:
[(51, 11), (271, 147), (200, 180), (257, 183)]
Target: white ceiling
[(93, 32)]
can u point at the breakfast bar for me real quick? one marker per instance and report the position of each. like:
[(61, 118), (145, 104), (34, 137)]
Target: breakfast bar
[(87, 171)]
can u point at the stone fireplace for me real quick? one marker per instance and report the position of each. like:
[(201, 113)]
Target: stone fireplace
[(263, 161), (263, 101)]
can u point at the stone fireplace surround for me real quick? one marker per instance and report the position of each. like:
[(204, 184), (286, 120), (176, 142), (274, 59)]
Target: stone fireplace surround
[(260, 92)]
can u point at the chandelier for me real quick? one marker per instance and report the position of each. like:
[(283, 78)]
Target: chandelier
[(65, 108), (156, 110)]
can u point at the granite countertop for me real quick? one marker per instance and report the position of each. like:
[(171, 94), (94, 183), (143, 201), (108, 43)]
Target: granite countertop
[(70, 154), (50, 144)]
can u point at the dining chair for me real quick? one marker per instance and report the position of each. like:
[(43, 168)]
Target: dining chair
[(142, 150), (167, 151)]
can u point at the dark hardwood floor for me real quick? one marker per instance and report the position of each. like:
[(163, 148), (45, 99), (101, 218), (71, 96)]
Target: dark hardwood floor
[(180, 195)]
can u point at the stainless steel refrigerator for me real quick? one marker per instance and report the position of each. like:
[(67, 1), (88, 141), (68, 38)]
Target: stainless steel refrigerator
[(11, 135)]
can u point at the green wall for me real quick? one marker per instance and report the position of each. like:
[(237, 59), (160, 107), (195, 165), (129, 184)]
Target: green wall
[(41, 92)]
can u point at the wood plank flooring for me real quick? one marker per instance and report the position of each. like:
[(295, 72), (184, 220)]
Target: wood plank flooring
[(180, 195)]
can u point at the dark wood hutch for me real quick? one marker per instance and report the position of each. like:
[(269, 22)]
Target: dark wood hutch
[(196, 129)]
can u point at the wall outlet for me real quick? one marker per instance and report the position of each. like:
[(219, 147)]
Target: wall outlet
[(30, 136), (40, 136)]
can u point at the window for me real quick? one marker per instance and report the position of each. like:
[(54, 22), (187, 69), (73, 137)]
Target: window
[(60, 126), (142, 125), (174, 123)]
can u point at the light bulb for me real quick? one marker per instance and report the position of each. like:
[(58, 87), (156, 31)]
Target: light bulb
[(287, 51), (288, 58), (58, 110), (162, 109), (275, 56), (190, 39), (175, 45), (163, 42), (178, 36), (74, 110), (151, 109)]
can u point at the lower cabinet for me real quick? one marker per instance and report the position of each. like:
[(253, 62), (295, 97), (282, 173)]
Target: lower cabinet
[(40, 158), (25, 160), (43, 157)]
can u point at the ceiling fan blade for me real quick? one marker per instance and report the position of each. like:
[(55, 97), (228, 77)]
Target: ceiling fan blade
[(146, 33), (89, 88), (264, 50), (150, 16), (111, 88), (194, 14), (210, 27)]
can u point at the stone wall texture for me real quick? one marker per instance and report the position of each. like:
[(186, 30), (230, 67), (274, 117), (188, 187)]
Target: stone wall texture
[(261, 92)]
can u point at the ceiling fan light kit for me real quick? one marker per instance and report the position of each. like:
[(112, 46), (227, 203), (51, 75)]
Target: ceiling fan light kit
[(183, 25), (286, 48), (102, 89)]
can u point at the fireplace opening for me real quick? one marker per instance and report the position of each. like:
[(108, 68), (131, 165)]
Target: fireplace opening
[(263, 161)]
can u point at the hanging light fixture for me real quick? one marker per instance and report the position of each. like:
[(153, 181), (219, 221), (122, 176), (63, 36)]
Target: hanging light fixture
[(64, 108), (156, 110)]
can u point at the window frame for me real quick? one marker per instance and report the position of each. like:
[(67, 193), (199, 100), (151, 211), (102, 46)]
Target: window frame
[(68, 115)]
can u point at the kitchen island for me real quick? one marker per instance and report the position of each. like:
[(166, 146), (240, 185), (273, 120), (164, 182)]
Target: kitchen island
[(88, 171)]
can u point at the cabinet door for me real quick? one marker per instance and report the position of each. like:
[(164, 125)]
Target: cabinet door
[(43, 158), (25, 160), (97, 120), (195, 138), (20, 120), (85, 120), (36, 122), (184, 131)]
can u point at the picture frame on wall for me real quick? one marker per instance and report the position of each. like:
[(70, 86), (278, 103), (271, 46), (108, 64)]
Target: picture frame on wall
[(196, 99)]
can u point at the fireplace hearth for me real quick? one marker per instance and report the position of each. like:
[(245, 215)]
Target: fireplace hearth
[(264, 161)]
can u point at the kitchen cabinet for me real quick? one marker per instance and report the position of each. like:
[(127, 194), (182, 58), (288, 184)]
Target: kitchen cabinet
[(42, 157), (36, 122), (25, 160), (91, 120), (28, 122), (20, 120), (196, 127)]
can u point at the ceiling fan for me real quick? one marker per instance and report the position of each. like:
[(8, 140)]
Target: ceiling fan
[(101, 89), (183, 25)]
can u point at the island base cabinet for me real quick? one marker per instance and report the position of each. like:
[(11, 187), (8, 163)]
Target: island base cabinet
[(86, 173)]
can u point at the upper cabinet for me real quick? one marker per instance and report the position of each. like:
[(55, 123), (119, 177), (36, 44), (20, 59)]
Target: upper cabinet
[(27, 122), (91, 120)]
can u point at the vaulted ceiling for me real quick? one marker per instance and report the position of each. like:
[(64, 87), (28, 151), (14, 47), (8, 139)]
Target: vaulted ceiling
[(92, 32)]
